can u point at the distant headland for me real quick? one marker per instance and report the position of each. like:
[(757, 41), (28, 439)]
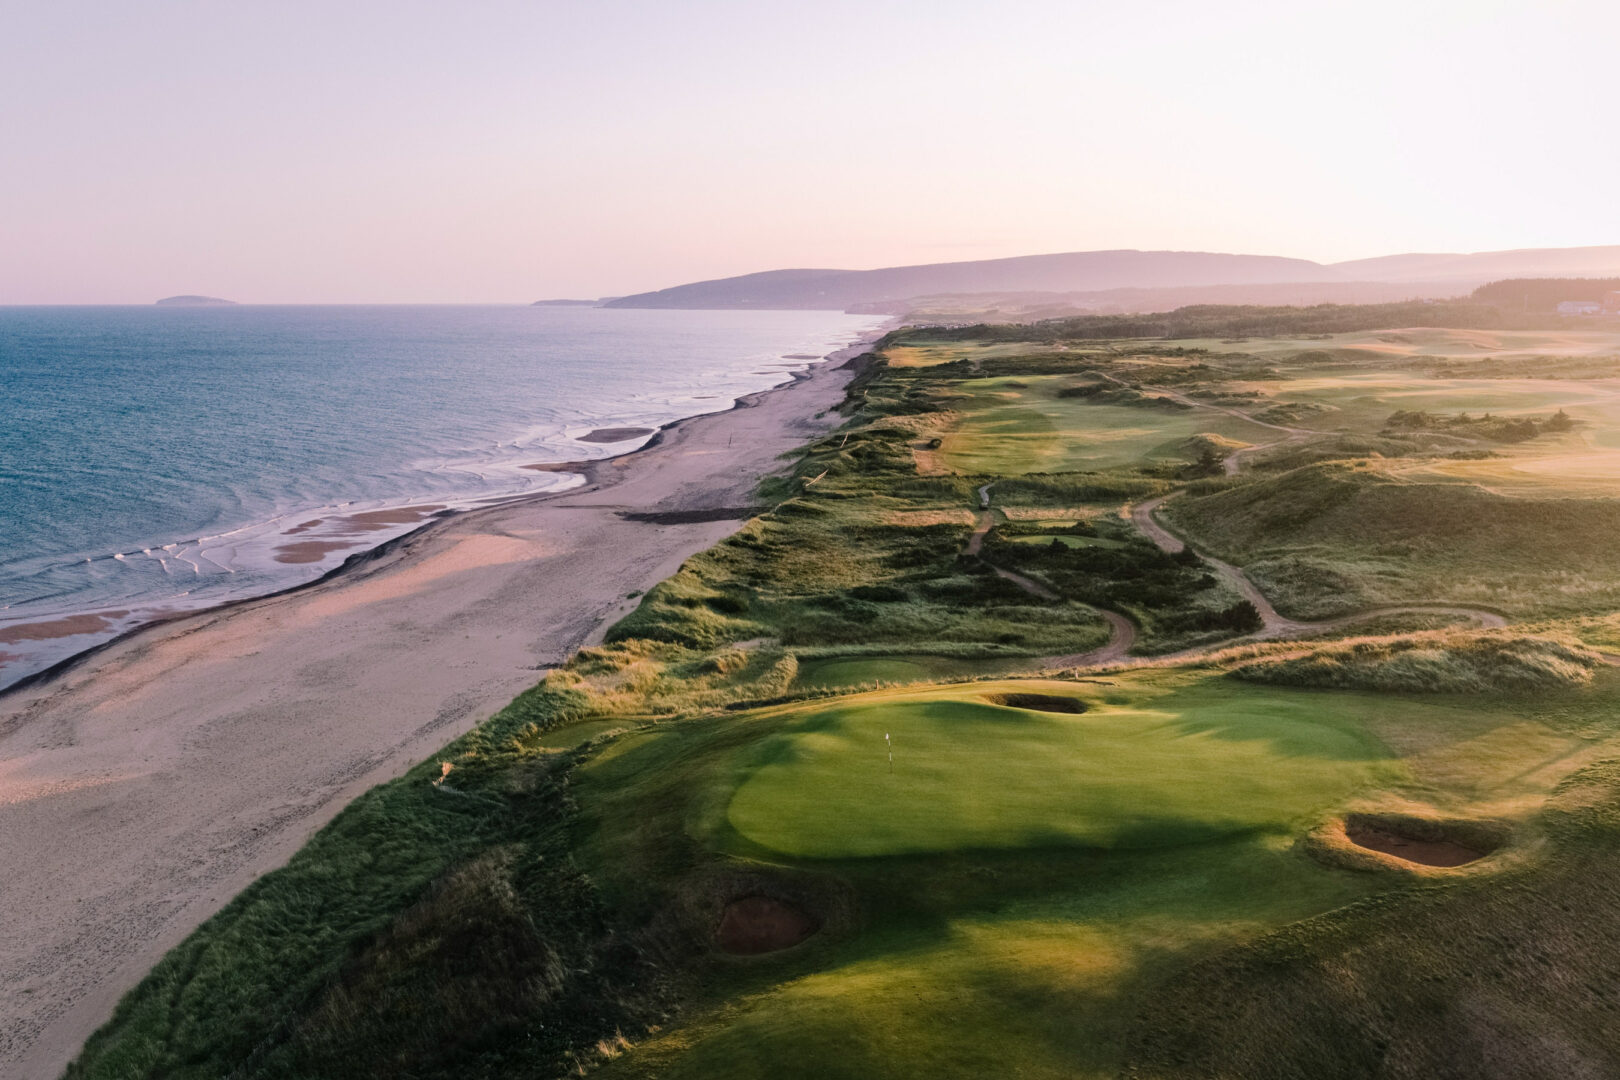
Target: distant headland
[(572, 303), (194, 301)]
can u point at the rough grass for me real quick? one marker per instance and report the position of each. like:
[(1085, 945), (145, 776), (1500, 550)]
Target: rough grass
[(1436, 663), (1506, 976), (431, 930), (861, 551), (1330, 538)]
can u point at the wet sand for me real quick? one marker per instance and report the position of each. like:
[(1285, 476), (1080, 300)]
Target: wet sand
[(145, 786), (67, 626), (331, 534), (615, 434)]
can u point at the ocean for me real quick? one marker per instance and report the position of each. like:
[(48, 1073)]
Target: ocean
[(163, 459)]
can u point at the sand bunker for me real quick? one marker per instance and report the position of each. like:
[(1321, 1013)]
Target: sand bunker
[(1039, 702), (1426, 843), (752, 925)]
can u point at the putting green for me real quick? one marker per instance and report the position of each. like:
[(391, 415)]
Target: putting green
[(972, 775)]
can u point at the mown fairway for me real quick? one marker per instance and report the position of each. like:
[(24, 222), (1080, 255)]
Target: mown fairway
[(1010, 426)]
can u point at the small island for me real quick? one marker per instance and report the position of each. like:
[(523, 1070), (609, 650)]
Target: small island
[(194, 301)]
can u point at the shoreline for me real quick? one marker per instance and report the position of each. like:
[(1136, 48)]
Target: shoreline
[(589, 470), (162, 771)]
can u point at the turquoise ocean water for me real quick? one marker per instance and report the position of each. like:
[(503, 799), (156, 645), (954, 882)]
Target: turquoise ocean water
[(153, 459)]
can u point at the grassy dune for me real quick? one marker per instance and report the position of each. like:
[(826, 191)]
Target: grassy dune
[(1334, 537), (1434, 663)]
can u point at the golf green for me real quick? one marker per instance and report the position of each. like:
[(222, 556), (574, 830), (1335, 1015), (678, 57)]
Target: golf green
[(969, 774)]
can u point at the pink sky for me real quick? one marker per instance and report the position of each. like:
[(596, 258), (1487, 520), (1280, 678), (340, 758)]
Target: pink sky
[(392, 152)]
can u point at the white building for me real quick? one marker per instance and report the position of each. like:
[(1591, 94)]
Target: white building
[(1580, 307)]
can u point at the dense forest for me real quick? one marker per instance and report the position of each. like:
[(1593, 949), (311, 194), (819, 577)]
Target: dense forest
[(1544, 294), (1241, 321)]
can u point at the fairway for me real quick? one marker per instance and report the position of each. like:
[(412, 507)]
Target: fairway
[(1429, 341), (1582, 463), (1012, 426), (969, 774), (1365, 399)]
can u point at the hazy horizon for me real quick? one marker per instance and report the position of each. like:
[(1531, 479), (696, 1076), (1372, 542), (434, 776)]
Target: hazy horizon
[(510, 152)]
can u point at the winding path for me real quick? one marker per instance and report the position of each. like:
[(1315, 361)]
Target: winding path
[(1122, 632), (1273, 624)]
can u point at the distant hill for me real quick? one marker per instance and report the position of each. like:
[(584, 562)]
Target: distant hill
[(887, 289), (194, 301), (1081, 271), (1483, 266), (566, 303)]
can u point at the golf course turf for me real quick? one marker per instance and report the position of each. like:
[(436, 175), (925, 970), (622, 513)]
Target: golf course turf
[(969, 775), (827, 804)]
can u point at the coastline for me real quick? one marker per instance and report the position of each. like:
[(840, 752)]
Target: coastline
[(334, 537), (165, 769), (177, 508)]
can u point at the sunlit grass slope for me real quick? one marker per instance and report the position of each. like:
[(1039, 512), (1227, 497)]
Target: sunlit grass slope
[(1511, 975), (1024, 893)]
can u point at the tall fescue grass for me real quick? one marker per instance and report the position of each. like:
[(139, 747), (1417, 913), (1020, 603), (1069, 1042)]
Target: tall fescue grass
[(1444, 662)]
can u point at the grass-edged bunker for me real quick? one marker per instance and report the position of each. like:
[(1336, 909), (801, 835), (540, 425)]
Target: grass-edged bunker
[(1054, 703), (1443, 844), (752, 925)]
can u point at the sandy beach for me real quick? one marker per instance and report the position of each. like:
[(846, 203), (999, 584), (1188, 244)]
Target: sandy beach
[(143, 787)]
